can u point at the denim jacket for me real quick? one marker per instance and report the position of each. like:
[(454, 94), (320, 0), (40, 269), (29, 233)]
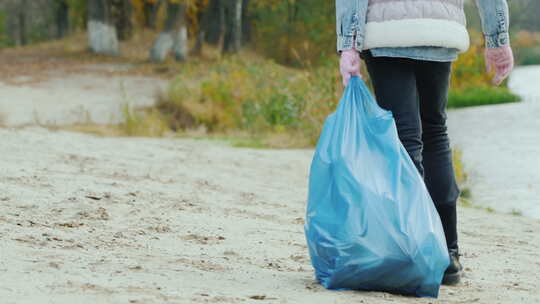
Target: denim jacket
[(351, 19)]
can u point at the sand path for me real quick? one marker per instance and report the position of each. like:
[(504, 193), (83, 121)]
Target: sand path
[(501, 147), (90, 96)]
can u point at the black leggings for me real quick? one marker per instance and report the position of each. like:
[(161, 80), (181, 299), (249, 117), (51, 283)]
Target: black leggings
[(416, 93)]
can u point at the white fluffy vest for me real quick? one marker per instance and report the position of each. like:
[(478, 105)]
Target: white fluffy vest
[(405, 23)]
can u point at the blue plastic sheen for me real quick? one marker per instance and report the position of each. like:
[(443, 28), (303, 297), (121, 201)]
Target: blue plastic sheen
[(370, 222)]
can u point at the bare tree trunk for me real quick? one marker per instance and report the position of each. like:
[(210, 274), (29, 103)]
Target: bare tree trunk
[(246, 22), (237, 25), (174, 35), (227, 43), (21, 17), (62, 18), (101, 31), (150, 14), (17, 22), (233, 31), (215, 24), (202, 21), (181, 43), (222, 22), (121, 14)]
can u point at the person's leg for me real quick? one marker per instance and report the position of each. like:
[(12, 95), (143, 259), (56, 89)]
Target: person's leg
[(395, 90), (433, 79), (432, 82)]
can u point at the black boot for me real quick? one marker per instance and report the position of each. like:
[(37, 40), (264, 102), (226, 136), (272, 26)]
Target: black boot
[(453, 273)]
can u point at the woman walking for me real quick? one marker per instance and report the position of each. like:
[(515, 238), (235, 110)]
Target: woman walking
[(408, 47)]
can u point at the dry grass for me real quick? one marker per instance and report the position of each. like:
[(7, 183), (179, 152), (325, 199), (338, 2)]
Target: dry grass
[(96, 129), (459, 168)]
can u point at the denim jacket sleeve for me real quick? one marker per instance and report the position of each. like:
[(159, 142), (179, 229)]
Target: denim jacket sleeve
[(495, 22), (350, 23)]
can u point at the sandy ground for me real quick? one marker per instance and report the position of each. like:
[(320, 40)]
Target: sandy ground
[(106, 220), (501, 147), (90, 96)]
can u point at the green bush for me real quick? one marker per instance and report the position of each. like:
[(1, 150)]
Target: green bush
[(257, 95), (480, 95), (149, 123), (528, 55), (471, 85), (254, 95)]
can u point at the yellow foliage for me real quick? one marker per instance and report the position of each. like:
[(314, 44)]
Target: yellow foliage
[(459, 170), (193, 8), (296, 33), (150, 124), (470, 70), (252, 94)]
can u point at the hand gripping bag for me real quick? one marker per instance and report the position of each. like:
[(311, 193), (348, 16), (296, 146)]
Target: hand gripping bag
[(370, 221)]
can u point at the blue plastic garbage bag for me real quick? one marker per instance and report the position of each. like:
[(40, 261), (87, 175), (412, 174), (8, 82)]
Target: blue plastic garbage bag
[(370, 221)]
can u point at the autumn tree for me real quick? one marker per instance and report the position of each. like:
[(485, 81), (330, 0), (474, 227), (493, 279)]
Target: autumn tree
[(122, 15), (201, 18), (233, 26), (174, 35), (223, 23), (214, 27), (150, 9), (17, 21), (61, 17)]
